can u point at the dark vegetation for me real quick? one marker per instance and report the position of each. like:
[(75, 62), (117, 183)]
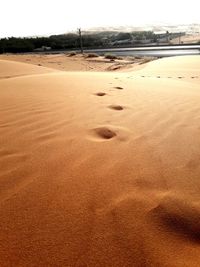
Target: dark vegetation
[(70, 41), (92, 55), (111, 56)]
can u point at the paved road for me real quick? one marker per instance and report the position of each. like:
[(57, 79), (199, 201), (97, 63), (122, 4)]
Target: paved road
[(158, 51)]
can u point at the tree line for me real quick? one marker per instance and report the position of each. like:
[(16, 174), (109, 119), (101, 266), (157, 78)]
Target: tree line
[(71, 41)]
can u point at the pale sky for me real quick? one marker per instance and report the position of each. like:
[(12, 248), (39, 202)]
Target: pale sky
[(45, 17)]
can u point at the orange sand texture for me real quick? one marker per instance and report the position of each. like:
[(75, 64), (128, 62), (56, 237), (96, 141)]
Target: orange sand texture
[(100, 168)]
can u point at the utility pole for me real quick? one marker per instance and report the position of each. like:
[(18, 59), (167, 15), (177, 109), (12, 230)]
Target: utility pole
[(80, 39), (168, 38)]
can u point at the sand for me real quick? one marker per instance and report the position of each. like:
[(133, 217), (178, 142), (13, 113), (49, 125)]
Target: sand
[(64, 62), (100, 168), (187, 39)]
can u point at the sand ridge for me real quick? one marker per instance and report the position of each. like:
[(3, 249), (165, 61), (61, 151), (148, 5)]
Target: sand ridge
[(10, 69), (173, 68), (78, 62), (99, 169)]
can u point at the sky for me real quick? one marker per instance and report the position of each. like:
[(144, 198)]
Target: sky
[(45, 17)]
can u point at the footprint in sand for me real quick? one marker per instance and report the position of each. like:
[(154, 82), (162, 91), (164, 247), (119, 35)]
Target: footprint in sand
[(118, 87), (116, 107), (108, 132), (104, 133), (100, 94), (179, 216)]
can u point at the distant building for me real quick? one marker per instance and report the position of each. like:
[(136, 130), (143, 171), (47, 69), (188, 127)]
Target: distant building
[(42, 49), (162, 36), (145, 41), (122, 42)]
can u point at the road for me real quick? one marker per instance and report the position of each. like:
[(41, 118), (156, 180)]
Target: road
[(158, 51)]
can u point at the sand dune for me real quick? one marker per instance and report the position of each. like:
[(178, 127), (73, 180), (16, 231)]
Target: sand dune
[(182, 67), (100, 169), (62, 62), (187, 39), (78, 62), (9, 69)]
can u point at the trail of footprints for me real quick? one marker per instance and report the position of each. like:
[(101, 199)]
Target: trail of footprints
[(105, 132), (169, 77), (173, 214)]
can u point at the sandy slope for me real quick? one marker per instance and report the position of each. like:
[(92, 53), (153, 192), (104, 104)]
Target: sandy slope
[(182, 67), (100, 169), (9, 69), (188, 38), (79, 62), (61, 61)]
